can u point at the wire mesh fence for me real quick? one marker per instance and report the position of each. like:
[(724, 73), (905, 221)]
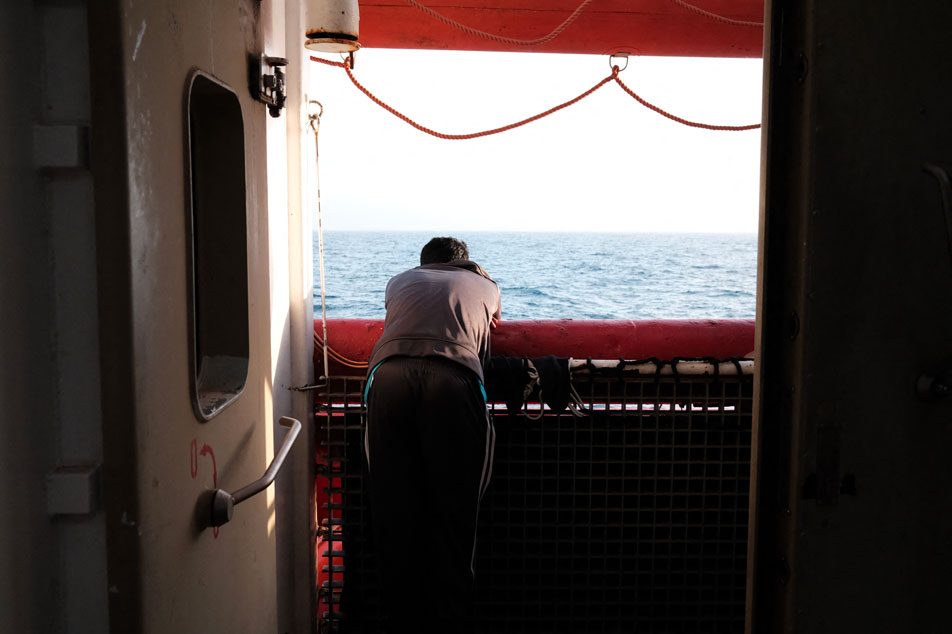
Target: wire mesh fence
[(630, 518)]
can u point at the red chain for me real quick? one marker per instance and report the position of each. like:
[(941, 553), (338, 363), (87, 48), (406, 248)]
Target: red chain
[(474, 135)]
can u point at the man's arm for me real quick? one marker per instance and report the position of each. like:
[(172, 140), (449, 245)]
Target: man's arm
[(497, 316)]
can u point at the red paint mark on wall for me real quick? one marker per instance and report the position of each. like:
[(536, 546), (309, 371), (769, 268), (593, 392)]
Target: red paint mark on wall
[(194, 453), (207, 451)]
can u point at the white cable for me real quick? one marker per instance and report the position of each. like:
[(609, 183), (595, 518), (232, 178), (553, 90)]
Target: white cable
[(499, 38), (714, 16), (315, 125)]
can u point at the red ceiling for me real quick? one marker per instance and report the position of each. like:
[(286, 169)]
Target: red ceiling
[(641, 27)]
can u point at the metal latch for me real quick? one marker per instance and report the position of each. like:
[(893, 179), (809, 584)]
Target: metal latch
[(270, 86)]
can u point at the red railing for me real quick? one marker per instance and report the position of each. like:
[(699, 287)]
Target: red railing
[(354, 339)]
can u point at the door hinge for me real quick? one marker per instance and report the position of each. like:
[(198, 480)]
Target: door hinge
[(269, 87)]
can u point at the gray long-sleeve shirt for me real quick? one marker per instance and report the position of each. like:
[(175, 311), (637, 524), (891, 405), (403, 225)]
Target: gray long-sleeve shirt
[(443, 310)]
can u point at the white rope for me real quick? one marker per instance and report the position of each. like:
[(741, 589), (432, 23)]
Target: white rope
[(558, 30), (499, 38), (714, 16), (315, 118)]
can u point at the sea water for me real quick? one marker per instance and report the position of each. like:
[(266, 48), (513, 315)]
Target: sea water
[(550, 275)]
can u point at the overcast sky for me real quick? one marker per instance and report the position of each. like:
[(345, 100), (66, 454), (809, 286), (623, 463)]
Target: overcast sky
[(604, 164)]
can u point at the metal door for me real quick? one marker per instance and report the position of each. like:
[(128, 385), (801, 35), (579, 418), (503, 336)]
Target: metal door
[(172, 277), (852, 517)]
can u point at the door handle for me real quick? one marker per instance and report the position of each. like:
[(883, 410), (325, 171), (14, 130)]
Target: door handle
[(223, 502)]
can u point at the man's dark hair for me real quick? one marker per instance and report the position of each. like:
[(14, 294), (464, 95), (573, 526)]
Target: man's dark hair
[(441, 250)]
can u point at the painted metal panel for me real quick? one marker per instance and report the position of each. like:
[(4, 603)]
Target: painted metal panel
[(167, 572), (52, 530), (291, 189), (852, 518), (709, 28)]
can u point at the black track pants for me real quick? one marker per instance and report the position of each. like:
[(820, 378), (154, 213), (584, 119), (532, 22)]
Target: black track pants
[(429, 448)]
